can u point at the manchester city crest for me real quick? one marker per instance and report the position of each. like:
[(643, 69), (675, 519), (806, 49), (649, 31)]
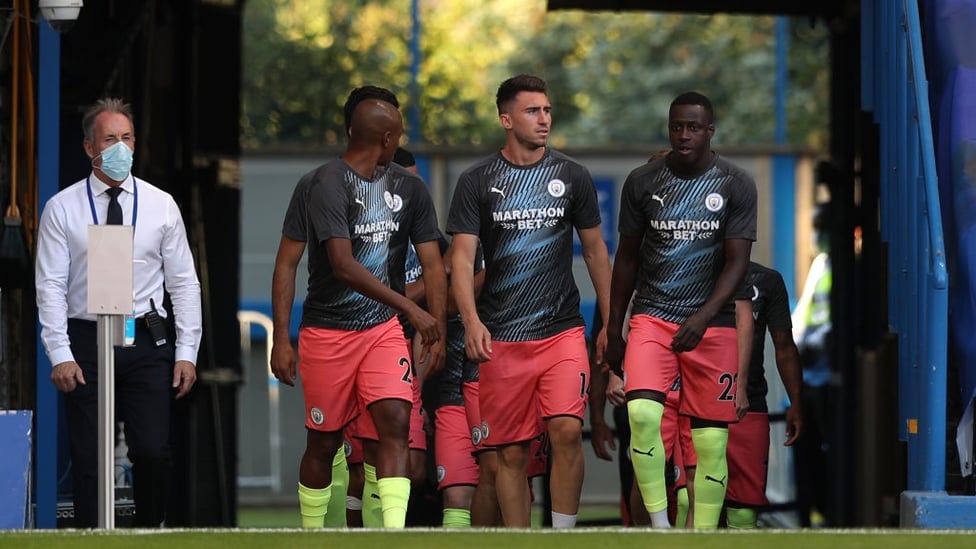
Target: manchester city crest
[(316, 416), (557, 188), (393, 201), (714, 202)]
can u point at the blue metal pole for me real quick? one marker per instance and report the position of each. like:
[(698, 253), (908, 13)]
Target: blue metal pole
[(784, 220), (933, 375), (48, 161), (905, 235), (910, 213), (935, 379), (784, 171)]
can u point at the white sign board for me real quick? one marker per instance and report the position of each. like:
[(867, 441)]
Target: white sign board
[(110, 269)]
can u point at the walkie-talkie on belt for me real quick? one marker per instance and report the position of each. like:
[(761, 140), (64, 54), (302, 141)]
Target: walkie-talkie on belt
[(157, 328)]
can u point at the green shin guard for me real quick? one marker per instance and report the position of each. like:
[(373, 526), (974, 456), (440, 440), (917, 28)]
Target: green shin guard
[(711, 479), (394, 495), (740, 518), (335, 516), (647, 452), (456, 518), (681, 518), (372, 511), (313, 503)]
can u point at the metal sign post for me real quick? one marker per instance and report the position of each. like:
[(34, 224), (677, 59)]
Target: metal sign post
[(110, 299)]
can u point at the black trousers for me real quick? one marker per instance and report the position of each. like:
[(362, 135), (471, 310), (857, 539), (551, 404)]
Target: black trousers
[(143, 396)]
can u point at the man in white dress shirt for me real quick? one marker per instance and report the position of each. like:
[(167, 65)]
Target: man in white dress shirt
[(156, 369)]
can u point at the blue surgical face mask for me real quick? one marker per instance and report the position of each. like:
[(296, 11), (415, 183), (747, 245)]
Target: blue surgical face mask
[(116, 161)]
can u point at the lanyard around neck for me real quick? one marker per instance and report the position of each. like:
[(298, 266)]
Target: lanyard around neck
[(135, 203)]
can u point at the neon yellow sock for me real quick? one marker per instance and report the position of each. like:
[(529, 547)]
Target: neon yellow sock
[(647, 452), (456, 518), (372, 511), (681, 518), (394, 495), (335, 516), (742, 518), (313, 503), (713, 472)]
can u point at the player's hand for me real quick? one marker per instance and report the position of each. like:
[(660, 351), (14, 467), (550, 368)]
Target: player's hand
[(741, 401), (184, 376), (689, 334), (426, 325), (477, 341), (794, 423), (283, 362), (601, 437), (434, 357), (614, 355), (67, 375), (615, 390)]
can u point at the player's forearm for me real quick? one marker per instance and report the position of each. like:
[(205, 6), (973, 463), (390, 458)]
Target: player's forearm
[(598, 266), (621, 291), (452, 304), (788, 365), (730, 279), (745, 356), (721, 294), (435, 294), (598, 394), (462, 278), (358, 278), (464, 297), (417, 292), (744, 331), (282, 299)]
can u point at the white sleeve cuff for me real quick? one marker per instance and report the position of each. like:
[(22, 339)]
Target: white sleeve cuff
[(186, 353), (63, 354)]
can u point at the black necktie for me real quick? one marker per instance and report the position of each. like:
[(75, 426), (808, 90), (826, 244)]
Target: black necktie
[(114, 208)]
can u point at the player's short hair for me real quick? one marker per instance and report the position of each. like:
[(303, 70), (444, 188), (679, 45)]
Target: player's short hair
[(519, 83), (363, 93), (695, 98)]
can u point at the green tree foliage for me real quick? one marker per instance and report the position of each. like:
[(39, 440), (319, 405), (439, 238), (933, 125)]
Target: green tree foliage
[(809, 84), (467, 46), (611, 75), (301, 59), (619, 73)]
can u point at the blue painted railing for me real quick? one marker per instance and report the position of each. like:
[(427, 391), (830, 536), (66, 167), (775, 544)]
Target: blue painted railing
[(895, 89)]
